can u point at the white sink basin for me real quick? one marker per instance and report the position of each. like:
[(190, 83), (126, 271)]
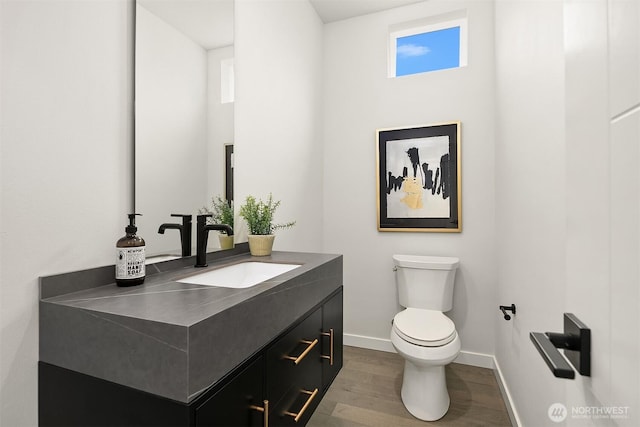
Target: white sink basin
[(243, 275), (161, 258)]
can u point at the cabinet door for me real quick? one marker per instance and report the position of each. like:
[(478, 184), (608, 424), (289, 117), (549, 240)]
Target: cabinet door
[(294, 373), (331, 339), (238, 403), (68, 398)]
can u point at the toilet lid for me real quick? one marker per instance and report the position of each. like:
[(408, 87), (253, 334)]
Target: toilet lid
[(428, 328)]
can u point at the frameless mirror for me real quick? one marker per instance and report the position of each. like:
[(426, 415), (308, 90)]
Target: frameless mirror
[(184, 91)]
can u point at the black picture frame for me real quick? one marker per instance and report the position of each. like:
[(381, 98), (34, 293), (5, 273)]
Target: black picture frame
[(418, 178)]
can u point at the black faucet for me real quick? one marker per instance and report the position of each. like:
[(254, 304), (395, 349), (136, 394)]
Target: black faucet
[(202, 236), (185, 232)]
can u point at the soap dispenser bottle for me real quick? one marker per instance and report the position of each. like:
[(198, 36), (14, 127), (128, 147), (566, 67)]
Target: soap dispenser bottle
[(130, 259)]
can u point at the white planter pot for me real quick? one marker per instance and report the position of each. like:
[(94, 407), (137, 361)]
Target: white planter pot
[(226, 242)]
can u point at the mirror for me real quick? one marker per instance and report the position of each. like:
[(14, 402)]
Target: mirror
[(184, 92)]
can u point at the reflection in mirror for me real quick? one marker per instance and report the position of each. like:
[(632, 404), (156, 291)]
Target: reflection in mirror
[(184, 92)]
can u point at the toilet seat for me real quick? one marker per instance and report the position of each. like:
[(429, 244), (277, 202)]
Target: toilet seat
[(426, 328)]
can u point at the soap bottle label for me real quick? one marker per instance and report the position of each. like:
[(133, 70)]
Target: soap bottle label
[(130, 263)]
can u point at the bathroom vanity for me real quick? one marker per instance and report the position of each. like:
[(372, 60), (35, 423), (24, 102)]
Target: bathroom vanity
[(169, 353)]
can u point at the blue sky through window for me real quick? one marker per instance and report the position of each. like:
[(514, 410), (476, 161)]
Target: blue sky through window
[(434, 50)]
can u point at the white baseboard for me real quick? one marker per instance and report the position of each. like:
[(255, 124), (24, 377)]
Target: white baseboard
[(480, 360), (506, 395), (465, 357), (369, 343)]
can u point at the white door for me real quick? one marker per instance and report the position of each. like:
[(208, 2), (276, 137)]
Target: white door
[(603, 200)]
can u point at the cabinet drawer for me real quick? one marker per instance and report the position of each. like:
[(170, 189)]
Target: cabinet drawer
[(296, 407), (294, 370)]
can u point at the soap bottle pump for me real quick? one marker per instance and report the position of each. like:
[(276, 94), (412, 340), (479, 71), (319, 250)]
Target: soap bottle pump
[(130, 259)]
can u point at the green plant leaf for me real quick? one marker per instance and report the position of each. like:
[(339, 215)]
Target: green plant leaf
[(221, 211), (259, 215)]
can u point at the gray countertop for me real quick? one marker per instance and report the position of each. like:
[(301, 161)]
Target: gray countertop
[(175, 339)]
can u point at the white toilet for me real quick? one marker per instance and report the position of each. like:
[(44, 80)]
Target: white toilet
[(422, 334)]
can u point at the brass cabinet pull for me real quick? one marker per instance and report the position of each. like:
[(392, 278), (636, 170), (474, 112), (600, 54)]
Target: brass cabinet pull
[(298, 359), (330, 335), (265, 411), (297, 416)]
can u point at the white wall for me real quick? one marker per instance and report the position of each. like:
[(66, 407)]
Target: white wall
[(624, 143), (568, 78), (66, 164), (171, 129), (219, 123), (530, 188), (359, 98), (589, 201), (278, 131)]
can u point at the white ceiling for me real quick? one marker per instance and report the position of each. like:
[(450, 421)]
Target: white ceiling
[(207, 22), (337, 10), (210, 22)]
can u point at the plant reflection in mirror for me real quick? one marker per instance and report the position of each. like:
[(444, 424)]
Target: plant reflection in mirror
[(221, 211)]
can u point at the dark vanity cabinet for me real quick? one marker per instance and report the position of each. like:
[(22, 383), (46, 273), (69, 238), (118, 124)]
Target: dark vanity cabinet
[(240, 402), (331, 339), (280, 385), (296, 370)]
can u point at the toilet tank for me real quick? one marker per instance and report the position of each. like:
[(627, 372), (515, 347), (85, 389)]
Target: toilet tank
[(425, 281)]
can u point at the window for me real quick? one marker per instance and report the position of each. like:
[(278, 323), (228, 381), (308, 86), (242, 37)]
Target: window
[(425, 48), (227, 81)]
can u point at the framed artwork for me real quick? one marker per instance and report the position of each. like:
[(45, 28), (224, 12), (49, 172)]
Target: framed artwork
[(418, 178)]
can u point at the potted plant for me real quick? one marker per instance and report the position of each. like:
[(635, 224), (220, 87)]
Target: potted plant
[(221, 212), (259, 217)]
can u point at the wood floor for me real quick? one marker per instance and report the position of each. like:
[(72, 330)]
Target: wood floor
[(366, 392)]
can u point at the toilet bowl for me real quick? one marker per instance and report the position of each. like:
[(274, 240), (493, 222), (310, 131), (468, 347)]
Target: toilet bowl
[(424, 387), (422, 334)]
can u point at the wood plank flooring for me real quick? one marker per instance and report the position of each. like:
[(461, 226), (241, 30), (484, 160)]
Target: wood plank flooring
[(366, 392)]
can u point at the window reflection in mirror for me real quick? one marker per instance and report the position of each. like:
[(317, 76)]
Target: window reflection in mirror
[(184, 114)]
